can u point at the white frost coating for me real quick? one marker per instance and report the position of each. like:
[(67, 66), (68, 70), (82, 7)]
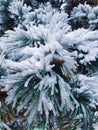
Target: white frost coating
[(16, 41), (93, 18), (39, 62), (85, 41), (18, 7), (81, 11), (90, 82), (30, 68), (85, 14)]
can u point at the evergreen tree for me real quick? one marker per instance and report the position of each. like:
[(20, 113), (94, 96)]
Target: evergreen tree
[(49, 63)]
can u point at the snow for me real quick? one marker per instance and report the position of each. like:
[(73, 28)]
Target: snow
[(90, 81), (85, 42), (96, 126), (26, 53), (18, 7)]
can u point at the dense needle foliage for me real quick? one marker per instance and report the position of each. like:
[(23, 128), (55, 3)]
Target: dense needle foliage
[(48, 64)]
